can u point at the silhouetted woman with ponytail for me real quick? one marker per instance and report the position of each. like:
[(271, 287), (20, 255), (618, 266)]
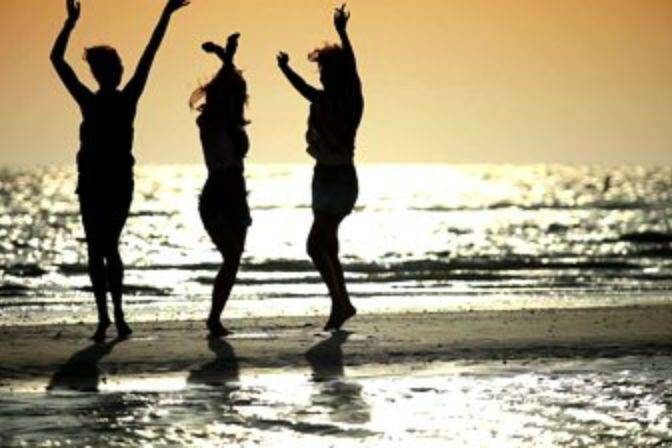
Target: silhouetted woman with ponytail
[(223, 204)]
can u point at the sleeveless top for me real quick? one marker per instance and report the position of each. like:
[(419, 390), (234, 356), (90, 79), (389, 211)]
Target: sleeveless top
[(106, 136)]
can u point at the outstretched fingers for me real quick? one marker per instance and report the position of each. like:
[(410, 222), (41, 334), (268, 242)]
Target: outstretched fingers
[(343, 12), (341, 17)]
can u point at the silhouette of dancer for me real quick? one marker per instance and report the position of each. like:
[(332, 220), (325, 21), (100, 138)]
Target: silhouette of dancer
[(104, 160), (335, 114), (223, 203)]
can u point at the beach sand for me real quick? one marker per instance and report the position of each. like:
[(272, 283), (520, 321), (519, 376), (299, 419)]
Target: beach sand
[(544, 377), (384, 339)]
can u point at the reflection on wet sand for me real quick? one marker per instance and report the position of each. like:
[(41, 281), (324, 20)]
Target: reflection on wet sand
[(222, 371), (624, 401), (342, 399), (217, 385), (81, 372)]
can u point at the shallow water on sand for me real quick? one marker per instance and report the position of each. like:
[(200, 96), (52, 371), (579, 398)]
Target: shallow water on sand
[(418, 232), (622, 402)]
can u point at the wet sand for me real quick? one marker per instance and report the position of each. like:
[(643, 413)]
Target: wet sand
[(527, 378), (34, 352)]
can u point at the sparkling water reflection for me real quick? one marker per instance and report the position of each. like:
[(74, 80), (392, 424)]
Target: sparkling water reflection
[(419, 231), (623, 402)]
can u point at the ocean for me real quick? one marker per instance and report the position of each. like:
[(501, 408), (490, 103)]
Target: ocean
[(422, 236)]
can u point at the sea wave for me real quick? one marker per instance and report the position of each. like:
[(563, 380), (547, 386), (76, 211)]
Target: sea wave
[(598, 205), (443, 230)]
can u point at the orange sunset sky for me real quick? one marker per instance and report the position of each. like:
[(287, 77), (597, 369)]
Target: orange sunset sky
[(505, 81)]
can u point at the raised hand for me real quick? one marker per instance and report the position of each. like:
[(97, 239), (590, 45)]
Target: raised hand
[(137, 83), (305, 89), (211, 47), (232, 45), (174, 5), (74, 9), (225, 54), (341, 17), (283, 59)]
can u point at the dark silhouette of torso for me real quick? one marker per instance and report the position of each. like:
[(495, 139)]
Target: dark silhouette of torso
[(333, 124), (106, 135)]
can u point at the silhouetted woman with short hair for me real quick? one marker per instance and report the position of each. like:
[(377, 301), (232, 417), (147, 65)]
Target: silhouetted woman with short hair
[(105, 160), (223, 203), (335, 113)]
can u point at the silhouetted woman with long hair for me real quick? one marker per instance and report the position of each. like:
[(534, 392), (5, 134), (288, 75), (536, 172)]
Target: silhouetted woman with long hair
[(105, 161), (223, 204), (335, 113)]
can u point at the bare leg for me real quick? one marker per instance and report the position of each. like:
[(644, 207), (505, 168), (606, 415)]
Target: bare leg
[(222, 288), (319, 255), (96, 269), (115, 278), (323, 250), (331, 246), (230, 243), (344, 310)]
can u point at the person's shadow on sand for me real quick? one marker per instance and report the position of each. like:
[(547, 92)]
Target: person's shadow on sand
[(326, 357), (220, 372), (81, 372), (342, 398), (220, 377)]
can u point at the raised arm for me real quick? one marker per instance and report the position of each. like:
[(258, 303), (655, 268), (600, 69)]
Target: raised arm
[(309, 92), (341, 17), (78, 90), (227, 54), (137, 83)]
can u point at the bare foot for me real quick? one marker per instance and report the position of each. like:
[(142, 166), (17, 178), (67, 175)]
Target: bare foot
[(217, 330), (339, 317), (330, 322), (99, 335), (123, 330)]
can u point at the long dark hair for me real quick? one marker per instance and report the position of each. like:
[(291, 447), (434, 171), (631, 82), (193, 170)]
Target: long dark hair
[(222, 103)]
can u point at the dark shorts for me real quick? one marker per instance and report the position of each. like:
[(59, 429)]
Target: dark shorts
[(104, 210), (335, 189), (223, 201)]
